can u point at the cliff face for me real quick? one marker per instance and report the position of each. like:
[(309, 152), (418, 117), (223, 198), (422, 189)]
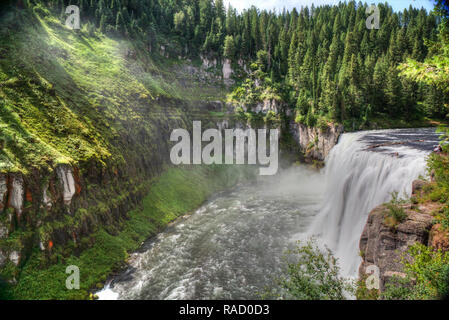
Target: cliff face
[(83, 136), (314, 142), (384, 246)]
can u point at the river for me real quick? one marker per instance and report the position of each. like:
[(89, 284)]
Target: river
[(232, 247)]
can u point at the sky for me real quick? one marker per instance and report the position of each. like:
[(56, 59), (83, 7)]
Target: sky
[(398, 5)]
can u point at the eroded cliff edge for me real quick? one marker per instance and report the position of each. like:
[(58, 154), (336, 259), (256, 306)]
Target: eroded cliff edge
[(385, 242), (316, 143)]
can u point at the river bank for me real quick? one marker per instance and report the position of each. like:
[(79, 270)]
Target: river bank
[(176, 192), (240, 237), (232, 247)]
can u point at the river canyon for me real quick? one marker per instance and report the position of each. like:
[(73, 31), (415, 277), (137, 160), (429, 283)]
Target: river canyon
[(233, 246)]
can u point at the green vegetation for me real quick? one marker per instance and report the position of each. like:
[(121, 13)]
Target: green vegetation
[(328, 67), (396, 212), (427, 276), (427, 269), (312, 274), (67, 96), (174, 193), (321, 61), (101, 103), (104, 97), (434, 71)]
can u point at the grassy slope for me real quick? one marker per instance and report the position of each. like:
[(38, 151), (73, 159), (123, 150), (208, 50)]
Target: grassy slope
[(176, 192), (65, 95), (72, 97)]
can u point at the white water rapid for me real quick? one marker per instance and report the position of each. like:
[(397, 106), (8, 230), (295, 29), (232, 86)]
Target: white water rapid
[(362, 172), (231, 247)]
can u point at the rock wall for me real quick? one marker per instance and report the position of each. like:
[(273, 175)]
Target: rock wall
[(269, 105), (227, 70), (91, 193), (383, 246), (67, 181), (15, 192), (315, 143), (3, 190)]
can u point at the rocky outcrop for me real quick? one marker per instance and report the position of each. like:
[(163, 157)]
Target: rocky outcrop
[(212, 63), (16, 194), (46, 199), (268, 105), (211, 71), (67, 181), (17, 200), (384, 246), (3, 190), (226, 68), (439, 238), (314, 142), (2, 259), (227, 71)]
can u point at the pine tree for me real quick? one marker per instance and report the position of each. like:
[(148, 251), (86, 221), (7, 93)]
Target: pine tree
[(229, 48)]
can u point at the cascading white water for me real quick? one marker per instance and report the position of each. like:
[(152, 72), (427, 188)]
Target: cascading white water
[(232, 247), (358, 180)]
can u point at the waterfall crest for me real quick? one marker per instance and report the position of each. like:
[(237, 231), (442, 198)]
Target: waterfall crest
[(358, 180)]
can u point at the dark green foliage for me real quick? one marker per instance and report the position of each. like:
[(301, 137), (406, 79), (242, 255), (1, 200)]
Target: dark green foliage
[(176, 192), (348, 71), (395, 209), (427, 276), (312, 274)]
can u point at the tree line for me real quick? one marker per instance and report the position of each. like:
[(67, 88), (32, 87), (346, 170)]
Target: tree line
[(323, 61)]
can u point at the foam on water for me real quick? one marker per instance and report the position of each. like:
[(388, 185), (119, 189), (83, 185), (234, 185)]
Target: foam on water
[(358, 179), (231, 248)]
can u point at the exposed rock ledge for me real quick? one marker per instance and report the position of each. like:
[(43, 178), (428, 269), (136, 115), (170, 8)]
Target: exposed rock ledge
[(315, 143), (383, 246)]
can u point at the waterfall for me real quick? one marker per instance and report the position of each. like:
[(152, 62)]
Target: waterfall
[(233, 246), (358, 180)]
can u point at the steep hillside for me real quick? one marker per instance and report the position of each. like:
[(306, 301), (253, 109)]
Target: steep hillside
[(86, 115), (85, 121)]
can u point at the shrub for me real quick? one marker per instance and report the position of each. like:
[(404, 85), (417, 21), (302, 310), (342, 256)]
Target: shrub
[(363, 293), (396, 212), (427, 275), (311, 119), (300, 118), (322, 125), (443, 218), (312, 274), (438, 166)]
